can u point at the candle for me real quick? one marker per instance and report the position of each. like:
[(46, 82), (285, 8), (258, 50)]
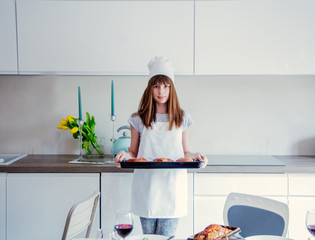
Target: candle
[(113, 104), (79, 98)]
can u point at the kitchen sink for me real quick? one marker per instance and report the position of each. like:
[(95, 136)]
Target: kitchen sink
[(7, 159)]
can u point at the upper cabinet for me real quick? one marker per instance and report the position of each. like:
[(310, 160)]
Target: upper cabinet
[(103, 37), (255, 37), (8, 53), (119, 37)]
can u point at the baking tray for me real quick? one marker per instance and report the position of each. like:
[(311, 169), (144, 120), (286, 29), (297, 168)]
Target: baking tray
[(234, 230), (125, 164)]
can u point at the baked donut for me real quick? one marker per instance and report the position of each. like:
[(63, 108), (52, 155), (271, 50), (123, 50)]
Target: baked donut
[(162, 160), (137, 160), (184, 159)]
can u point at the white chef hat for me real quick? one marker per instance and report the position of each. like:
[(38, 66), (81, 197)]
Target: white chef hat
[(161, 65)]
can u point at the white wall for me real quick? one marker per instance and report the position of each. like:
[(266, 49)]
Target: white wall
[(232, 114)]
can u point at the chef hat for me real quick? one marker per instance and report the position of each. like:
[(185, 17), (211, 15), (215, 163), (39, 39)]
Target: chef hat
[(161, 65)]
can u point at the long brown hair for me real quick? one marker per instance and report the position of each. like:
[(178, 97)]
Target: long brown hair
[(147, 106)]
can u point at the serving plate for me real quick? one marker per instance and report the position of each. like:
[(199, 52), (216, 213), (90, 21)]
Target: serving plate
[(233, 231), (149, 164)]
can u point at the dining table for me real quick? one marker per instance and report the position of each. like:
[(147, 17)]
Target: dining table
[(261, 237)]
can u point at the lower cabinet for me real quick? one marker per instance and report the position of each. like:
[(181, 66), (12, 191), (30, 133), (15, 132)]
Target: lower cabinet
[(211, 190), (2, 205), (301, 198), (116, 194), (35, 205), (298, 208), (38, 203)]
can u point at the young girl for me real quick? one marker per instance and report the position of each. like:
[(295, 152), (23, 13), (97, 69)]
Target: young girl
[(160, 129)]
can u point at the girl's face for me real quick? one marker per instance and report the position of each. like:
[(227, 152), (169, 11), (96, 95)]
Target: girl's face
[(161, 92)]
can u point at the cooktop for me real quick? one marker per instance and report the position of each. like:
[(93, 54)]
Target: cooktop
[(243, 160)]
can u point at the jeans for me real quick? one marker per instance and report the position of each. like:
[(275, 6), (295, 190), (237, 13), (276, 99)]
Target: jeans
[(160, 226)]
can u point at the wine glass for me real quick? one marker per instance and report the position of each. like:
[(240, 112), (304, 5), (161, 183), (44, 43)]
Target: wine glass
[(123, 223), (310, 221), (107, 233)]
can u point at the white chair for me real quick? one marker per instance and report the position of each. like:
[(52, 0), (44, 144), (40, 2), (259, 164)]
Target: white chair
[(267, 237), (256, 215), (80, 217)]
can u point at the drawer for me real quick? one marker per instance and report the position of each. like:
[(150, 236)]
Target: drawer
[(301, 184), (223, 184)]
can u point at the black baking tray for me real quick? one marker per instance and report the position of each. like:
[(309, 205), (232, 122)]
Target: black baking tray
[(125, 164)]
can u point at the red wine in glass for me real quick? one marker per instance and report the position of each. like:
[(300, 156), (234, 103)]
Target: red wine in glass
[(311, 229), (123, 223), (123, 230), (310, 221)]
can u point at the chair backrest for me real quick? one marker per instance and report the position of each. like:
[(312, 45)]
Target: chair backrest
[(80, 217), (256, 215)]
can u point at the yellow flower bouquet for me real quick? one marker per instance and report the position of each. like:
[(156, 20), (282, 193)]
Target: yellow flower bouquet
[(88, 135)]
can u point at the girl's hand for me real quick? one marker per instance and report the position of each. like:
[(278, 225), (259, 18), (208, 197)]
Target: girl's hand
[(120, 156), (197, 157), (202, 158)]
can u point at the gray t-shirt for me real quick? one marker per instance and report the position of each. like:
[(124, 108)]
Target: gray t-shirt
[(136, 121)]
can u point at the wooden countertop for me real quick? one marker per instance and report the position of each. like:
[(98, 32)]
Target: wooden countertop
[(57, 164), (60, 164)]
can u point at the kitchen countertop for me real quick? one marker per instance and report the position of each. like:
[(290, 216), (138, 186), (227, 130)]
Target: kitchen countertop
[(217, 164)]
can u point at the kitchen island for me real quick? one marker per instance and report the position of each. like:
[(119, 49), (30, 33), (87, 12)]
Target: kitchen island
[(40, 189)]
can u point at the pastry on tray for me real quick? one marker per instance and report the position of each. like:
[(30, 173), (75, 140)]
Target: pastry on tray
[(215, 232), (163, 160), (184, 159), (137, 160)]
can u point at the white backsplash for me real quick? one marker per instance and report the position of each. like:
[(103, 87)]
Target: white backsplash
[(233, 114)]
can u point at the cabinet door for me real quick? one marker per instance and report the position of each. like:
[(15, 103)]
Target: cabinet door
[(107, 37), (116, 194), (301, 198), (186, 224), (255, 37), (38, 204), (298, 207), (8, 53), (257, 184), (3, 195), (301, 184), (208, 210)]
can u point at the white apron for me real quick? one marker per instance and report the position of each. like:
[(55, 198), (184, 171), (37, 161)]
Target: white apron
[(160, 193)]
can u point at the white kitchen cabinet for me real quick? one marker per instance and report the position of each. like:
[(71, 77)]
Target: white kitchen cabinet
[(116, 194), (255, 37), (211, 190), (208, 210), (103, 37), (38, 203), (8, 52), (297, 213), (3, 195), (301, 198), (301, 184), (249, 183)]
